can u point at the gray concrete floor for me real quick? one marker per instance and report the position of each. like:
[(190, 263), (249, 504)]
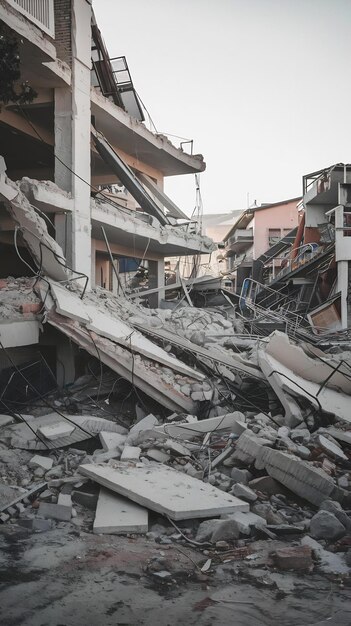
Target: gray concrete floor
[(65, 577)]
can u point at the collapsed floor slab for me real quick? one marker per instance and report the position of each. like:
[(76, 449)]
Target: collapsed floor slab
[(140, 371), (164, 490), (118, 515), (86, 426)]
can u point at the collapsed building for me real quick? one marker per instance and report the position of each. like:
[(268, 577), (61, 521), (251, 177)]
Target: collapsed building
[(187, 412), (302, 279)]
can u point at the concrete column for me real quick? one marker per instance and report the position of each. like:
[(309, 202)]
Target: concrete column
[(156, 279), (72, 144), (343, 286), (65, 366), (93, 263)]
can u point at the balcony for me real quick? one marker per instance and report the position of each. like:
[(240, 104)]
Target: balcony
[(40, 12), (240, 241)]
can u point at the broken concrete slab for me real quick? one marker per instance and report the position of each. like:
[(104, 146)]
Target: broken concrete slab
[(99, 320), (331, 449), (318, 370), (158, 455), (41, 461), (144, 373), (164, 490), (130, 453), (293, 414), (146, 423), (5, 420), (47, 253), (284, 381), (19, 333), (55, 511), (118, 515), (328, 562), (230, 421), (84, 427), (338, 434), (111, 441), (56, 431)]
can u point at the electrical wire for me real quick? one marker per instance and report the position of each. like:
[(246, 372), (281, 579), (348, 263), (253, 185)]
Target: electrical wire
[(50, 406)]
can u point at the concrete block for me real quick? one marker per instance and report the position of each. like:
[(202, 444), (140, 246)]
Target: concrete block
[(44, 462), (328, 562), (164, 490), (244, 492), (5, 420), (297, 558), (147, 423), (331, 449), (131, 453), (56, 431), (111, 441), (118, 515), (157, 455), (100, 456), (55, 511)]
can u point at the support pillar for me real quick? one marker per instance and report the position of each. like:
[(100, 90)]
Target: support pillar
[(156, 280), (72, 144), (343, 287)]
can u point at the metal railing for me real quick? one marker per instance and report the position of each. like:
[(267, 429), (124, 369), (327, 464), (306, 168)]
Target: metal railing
[(40, 12)]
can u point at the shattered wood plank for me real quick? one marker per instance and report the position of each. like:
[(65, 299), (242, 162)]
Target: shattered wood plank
[(140, 371), (164, 490)]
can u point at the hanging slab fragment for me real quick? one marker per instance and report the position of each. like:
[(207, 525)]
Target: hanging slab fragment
[(118, 515), (47, 253), (328, 400), (317, 370), (164, 490), (144, 373), (22, 333), (96, 319), (86, 426)]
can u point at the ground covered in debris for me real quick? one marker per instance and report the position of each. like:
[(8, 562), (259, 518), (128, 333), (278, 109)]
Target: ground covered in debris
[(66, 576)]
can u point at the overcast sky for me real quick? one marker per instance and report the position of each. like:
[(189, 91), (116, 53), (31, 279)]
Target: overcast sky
[(262, 86)]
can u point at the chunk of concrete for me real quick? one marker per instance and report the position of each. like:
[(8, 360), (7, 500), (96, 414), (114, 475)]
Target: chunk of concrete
[(118, 515), (329, 562), (324, 525), (337, 510), (244, 492), (130, 453), (157, 455), (147, 423), (297, 558), (43, 462), (111, 441), (55, 511), (5, 420), (230, 421), (164, 490), (331, 449), (56, 431)]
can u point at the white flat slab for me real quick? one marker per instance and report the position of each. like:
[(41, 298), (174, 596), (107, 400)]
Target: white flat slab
[(56, 431), (111, 441), (194, 429), (117, 515), (130, 453), (164, 490), (21, 333)]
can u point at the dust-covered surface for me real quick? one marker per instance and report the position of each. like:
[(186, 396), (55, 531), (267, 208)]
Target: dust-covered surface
[(69, 577)]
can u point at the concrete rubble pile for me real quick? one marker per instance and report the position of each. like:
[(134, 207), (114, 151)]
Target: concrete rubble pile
[(246, 455)]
